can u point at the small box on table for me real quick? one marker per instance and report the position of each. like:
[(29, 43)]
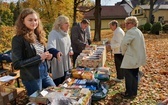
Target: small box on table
[(37, 98), (7, 94)]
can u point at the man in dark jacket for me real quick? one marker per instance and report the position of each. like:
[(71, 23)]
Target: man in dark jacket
[(79, 38)]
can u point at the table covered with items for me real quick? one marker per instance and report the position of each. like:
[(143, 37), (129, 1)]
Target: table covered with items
[(90, 78), (85, 84), (92, 57)]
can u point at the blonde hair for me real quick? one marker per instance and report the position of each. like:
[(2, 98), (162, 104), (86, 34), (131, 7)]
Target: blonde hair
[(133, 20), (59, 21)]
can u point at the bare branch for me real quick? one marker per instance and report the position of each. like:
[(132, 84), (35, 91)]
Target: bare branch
[(154, 1), (79, 1), (86, 10)]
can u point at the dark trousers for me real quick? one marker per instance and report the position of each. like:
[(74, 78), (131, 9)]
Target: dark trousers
[(89, 41), (74, 58), (131, 81), (60, 80), (118, 60)]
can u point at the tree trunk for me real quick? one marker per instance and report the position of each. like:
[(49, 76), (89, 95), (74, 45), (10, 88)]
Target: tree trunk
[(151, 16), (150, 11), (74, 10), (97, 14)]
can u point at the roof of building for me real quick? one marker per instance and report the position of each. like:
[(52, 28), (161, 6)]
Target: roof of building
[(131, 3), (125, 2), (148, 6), (108, 12)]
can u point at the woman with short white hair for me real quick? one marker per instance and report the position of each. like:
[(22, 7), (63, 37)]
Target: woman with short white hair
[(134, 51)]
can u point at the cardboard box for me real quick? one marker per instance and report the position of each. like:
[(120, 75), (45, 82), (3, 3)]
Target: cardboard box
[(7, 94), (37, 98)]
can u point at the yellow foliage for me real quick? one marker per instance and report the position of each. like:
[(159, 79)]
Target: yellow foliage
[(51, 9), (6, 34)]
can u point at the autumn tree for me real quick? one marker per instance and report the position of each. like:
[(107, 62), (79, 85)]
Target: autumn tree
[(50, 9), (6, 16), (80, 7), (16, 10), (6, 34), (76, 3), (97, 14)]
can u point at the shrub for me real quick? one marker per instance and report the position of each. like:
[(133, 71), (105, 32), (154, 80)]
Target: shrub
[(48, 27), (156, 28), (141, 27), (147, 26), (165, 28), (6, 34)]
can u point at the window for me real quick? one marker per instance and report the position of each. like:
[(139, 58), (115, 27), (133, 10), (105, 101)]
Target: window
[(161, 19), (139, 11)]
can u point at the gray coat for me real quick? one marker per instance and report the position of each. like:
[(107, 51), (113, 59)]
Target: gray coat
[(60, 41)]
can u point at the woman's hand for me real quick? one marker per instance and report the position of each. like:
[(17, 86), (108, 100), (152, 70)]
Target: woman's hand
[(87, 45), (44, 55), (71, 53), (49, 56), (59, 54)]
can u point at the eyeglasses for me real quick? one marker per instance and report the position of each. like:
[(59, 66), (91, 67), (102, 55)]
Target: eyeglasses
[(128, 23)]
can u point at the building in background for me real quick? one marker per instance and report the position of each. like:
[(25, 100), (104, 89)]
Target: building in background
[(118, 12), (108, 13), (159, 14)]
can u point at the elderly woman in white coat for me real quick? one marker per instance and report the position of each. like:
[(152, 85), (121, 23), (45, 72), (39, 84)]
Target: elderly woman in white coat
[(59, 39), (116, 40), (134, 51)]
